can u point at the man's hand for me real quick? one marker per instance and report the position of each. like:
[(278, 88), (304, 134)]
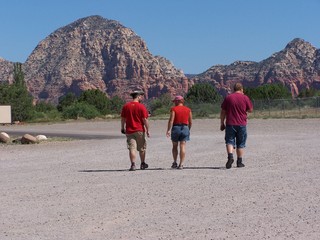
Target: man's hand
[(123, 131), (148, 134), (222, 127)]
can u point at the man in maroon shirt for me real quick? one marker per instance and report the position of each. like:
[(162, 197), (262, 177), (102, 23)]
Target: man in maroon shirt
[(134, 123), (233, 118)]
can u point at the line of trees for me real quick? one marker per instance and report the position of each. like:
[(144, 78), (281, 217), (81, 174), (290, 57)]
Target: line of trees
[(90, 104), (17, 96), (201, 97)]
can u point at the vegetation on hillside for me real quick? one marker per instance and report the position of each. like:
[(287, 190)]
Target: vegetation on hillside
[(268, 91), (202, 98), (310, 92), (17, 96)]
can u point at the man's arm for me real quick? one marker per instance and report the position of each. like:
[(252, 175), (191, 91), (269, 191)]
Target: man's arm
[(250, 110), (146, 126), (250, 105), (123, 121), (222, 119)]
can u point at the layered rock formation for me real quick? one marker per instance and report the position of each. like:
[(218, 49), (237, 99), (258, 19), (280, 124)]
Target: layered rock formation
[(96, 53), (297, 66), (6, 71)]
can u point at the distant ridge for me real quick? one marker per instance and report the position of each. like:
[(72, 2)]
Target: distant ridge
[(297, 66)]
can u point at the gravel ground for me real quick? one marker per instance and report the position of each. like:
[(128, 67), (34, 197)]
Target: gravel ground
[(82, 189)]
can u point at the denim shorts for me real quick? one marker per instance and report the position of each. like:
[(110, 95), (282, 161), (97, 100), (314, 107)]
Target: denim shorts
[(180, 133), (236, 136)]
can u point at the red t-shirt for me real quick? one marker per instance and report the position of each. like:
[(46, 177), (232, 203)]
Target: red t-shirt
[(134, 113), (236, 106), (182, 114)]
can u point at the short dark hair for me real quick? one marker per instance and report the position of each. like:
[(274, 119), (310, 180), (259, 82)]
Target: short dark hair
[(237, 87), (135, 95)]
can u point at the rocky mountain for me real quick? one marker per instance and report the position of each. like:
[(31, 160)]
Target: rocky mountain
[(96, 53), (6, 71), (297, 66)]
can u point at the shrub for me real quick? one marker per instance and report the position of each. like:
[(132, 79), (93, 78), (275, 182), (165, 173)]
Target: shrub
[(162, 105), (66, 101), (44, 107), (17, 96), (268, 91), (80, 109), (203, 92), (97, 99), (116, 104)]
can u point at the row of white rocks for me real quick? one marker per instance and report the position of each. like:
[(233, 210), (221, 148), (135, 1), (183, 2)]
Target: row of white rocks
[(25, 139)]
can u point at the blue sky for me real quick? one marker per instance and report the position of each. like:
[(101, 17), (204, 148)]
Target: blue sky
[(193, 34)]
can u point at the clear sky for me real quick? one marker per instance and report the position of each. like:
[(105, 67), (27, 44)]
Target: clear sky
[(193, 34)]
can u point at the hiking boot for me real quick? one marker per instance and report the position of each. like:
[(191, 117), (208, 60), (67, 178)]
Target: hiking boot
[(143, 166), (133, 167), (174, 165), (229, 163), (240, 164)]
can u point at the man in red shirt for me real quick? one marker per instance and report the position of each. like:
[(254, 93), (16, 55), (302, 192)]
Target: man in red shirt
[(234, 111), (134, 123), (179, 126)]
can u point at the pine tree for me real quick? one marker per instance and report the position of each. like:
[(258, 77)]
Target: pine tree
[(17, 96)]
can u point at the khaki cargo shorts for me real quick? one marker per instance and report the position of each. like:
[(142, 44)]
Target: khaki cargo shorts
[(137, 141)]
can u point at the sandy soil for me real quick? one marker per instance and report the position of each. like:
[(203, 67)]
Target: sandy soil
[(82, 189)]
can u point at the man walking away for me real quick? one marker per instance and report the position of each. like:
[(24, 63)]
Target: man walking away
[(233, 118), (134, 123)]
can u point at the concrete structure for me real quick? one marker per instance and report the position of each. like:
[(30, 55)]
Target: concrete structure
[(5, 114)]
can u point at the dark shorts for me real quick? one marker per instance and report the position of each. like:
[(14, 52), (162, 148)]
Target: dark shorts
[(180, 133), (236, 136)]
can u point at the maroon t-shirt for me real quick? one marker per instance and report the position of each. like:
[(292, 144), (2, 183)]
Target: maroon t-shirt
[(236, 106)]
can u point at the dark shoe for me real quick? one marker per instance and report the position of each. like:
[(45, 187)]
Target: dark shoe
[(133, 167), (180, 167), (240, 164), (143, 166), (229, 163), (174, 165)]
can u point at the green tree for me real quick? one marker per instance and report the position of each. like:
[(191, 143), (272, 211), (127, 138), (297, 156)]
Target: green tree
[(80, 109), (18, 74), (203, 92), (97, 99), (45, 112), (161, 105), (17, 96), (309, 92), (116, 104), (268, 91), (44, 107), (66, 100)]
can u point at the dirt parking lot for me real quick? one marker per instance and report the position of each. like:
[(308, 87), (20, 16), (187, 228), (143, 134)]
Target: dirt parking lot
[(82, 189)]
